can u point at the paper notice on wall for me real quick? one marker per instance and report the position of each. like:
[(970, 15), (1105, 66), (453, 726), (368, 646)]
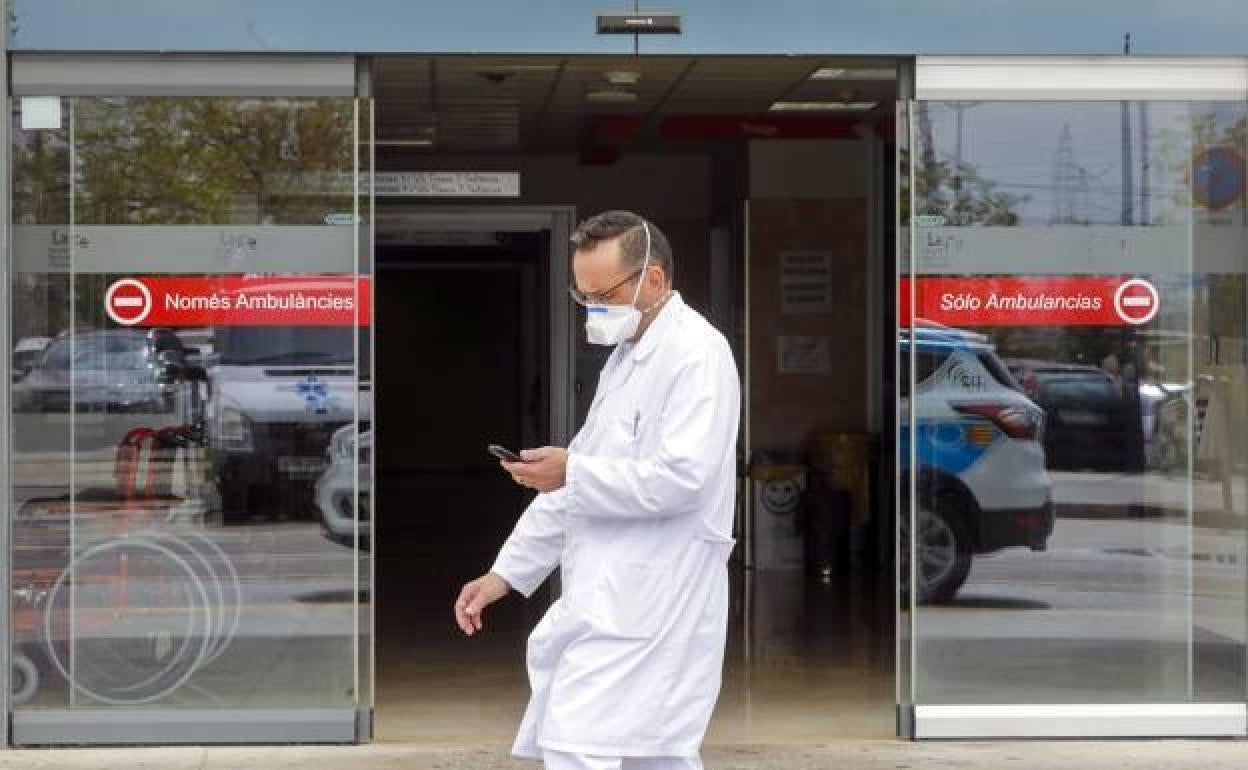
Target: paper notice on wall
[(804, 355), (448, 184), (805, 282)]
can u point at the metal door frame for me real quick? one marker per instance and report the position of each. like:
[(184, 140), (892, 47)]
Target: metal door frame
[(69, 75), (1045, 78), (558, 221), (6, 334)]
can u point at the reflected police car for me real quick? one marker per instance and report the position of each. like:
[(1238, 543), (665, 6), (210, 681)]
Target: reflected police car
[(981, 484)]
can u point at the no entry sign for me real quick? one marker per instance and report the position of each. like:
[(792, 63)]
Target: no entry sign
[(1136, 301), (311, 300), (1031, 301), (128, 302)]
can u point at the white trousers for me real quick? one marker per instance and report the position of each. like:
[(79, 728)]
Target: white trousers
[(559, 760)]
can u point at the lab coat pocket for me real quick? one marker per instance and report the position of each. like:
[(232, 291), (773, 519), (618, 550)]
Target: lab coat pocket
[(627, 430), (719, 545), (632, 598), (718, 542)]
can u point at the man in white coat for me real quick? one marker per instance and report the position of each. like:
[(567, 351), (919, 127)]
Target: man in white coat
[(637, 512)]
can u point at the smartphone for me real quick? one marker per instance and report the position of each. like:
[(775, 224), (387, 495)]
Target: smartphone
[(503, 453)]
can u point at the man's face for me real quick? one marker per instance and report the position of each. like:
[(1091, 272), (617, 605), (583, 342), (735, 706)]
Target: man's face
[(602, 278)]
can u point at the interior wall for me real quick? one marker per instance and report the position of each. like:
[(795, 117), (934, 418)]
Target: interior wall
[(807, 196), (672, 190), (808, 168)]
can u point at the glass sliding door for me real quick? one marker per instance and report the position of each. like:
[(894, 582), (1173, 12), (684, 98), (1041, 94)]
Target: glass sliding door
[(1074, 350), (191, 409)]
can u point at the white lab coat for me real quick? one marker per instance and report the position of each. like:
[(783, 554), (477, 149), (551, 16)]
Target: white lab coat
[(627, 661)]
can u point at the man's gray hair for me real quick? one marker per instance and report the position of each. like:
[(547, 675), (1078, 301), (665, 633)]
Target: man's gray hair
[(630, 229)]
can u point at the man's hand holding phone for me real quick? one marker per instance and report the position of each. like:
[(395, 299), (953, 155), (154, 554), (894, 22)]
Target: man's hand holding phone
[(503, 453), (543, 469)]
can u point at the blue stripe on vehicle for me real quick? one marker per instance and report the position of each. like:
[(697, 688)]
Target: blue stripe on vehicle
[(943, 445)]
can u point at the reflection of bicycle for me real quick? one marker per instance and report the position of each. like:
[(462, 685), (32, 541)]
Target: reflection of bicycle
[(146, 612), (145, 602)]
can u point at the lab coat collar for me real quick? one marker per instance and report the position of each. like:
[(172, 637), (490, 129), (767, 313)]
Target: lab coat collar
[(659, 327)]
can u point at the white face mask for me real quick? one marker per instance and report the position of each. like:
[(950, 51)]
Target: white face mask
[(612, 324)]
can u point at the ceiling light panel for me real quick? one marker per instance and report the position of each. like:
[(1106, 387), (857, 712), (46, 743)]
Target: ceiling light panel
[(822, 106)]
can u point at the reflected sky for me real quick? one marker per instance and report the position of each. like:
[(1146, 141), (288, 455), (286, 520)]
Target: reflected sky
[(903, 27)]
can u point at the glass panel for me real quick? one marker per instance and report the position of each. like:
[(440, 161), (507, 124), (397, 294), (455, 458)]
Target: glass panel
[(901, 489), (364, 487), (1079, 381), (41, 441), (185, 494)]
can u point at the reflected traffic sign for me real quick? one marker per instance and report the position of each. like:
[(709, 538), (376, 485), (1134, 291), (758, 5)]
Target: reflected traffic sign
[(1136, 301), (128, 301)]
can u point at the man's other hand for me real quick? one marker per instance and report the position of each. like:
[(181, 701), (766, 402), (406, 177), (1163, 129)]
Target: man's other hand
[(543, 469), (474, 597)]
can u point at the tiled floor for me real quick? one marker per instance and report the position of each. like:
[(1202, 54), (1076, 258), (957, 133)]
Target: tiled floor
[(816, 665), (838, 755)]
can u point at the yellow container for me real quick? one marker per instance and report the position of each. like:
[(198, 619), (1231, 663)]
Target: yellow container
[(846, 459), (776, 472)]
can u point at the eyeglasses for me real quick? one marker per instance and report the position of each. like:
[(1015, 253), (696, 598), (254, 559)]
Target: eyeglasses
[(599, 297)]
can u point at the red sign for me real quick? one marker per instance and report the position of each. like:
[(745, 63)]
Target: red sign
[(1136, 301), (309, 300), (1030, 301), (757, 127), (128, 302)]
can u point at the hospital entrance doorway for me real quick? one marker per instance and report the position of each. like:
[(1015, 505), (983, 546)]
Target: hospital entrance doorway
[(460, 363), (782, 230)]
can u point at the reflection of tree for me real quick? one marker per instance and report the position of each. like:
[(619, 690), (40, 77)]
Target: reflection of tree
[(953, 189), (1177, 144), (186, 161), (962, 195), (173, 161), (40, 177), (207, 160)]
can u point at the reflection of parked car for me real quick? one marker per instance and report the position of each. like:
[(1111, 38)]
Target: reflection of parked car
[(115, 370), (199, 342), (335, 489), (1172, 419), (26, 354), (1087, 417), (982, 484)]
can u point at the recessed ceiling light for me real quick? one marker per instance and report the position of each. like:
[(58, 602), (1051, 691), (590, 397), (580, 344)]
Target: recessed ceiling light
[(868, 73), (821, 106), (611, 96), (517, 67), (403, 142), (622, 78)]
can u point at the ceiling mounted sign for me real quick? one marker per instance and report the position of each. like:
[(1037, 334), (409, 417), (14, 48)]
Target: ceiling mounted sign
[(447, 184), (639, 23)]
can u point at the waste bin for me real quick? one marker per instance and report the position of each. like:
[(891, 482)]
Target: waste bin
[(778, 480), (845, 460), (825, 513)]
